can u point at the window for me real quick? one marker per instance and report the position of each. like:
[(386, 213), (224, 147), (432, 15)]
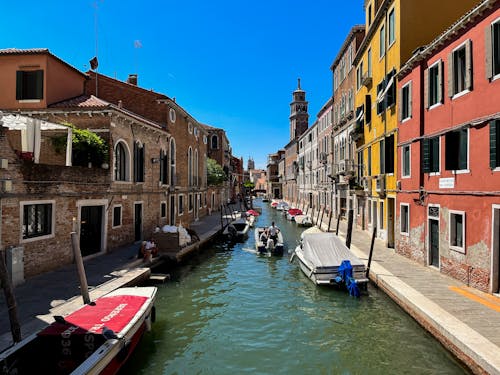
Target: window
[(456, 143), (368, 109), (196, 168), (369, 160), (381, 215), (434, 86), (139, 162), (494, 143), (164, 167), (190, 207), (457, 230), (388, 146), (29, 85), (405, 161), (190, 167), (172, 115), (493, 50), (430, 155), (359, 75), (172, 163), (404, 215), (382, 41), (121, 162), (386, 92), (382, 155), (405, 105), (369, 62), (392, 26), (190, 128), (460, 69), (37, 220), (369, 11), (215, 142), (117, 216), (163, 210), (181, 204), (360, 165)]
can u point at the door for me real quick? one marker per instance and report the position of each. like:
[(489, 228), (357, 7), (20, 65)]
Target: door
[(138, 221), (434, 242), (172, 210), (91, 229), (390, 222)]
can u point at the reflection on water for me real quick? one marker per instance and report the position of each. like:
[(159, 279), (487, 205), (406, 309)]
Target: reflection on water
[(231, 311)]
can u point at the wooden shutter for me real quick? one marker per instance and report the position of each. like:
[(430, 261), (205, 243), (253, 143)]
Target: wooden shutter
[(440, 82), (400, 105), (463, 135), (468, 65), (488, 52), (19, 85), (425, 155), (410, 100), (435, 156), (450, 75), (493, 143), (426, 88)]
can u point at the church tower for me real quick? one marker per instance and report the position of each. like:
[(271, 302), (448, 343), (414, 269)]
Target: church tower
[(251, 164), (299, 118)]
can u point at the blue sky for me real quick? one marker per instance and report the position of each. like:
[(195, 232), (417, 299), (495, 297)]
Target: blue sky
[(230, 64)]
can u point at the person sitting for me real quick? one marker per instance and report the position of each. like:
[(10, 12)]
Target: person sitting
[(148, 250), (272, 232), (263, 236)]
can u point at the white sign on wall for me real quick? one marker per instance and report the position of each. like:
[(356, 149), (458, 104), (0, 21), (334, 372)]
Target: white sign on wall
[(447, 183)]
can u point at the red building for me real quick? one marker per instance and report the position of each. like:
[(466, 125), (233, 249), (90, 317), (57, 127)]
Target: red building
[(448, 202)]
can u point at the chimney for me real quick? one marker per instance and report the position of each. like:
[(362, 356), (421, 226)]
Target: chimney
[(132, 79)]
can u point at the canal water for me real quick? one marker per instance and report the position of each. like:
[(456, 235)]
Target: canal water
[(230, 311)]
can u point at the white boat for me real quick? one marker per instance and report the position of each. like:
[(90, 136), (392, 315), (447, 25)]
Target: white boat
[(267, 246), (251, 220), (321, 257), (237, 229), (282, 206), (303, 220), (96, 339)]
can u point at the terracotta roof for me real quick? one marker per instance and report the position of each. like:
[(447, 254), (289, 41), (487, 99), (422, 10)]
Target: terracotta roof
[(83, 101)]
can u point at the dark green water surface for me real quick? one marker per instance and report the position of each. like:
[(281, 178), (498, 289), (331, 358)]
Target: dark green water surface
[(229, 311)]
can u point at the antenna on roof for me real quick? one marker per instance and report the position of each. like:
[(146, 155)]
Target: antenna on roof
[(298, 79), (94, 62)]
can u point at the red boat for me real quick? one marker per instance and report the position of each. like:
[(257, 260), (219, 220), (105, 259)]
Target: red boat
[(292, 212), (96, 339)]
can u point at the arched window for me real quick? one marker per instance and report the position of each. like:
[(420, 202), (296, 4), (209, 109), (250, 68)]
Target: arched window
[(190, 167), (164, 167), (139, 157), (196, 180), (215, 142), (172, 163), (121, 162)]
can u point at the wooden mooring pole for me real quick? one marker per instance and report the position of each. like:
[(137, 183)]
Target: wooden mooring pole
[(221, 218), (338, 224), (15, 327), (329, 219), (349, 228), (371, 251), (321, 221), (84, 288)]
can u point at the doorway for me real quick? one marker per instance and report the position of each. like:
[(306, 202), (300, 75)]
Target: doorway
[(434, 242), (138, 221), (91, 229), (390, 222), (495, 251)]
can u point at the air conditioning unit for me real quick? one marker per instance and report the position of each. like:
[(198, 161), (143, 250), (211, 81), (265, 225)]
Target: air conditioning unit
[(381, 184)]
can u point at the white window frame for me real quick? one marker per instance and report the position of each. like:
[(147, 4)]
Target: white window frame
[(179, 205), (21, 220), (113, 216), (465, 90), (166, 209), (128, 163), (438, 173), (440, 87), (403, 233), (389, 42), (172, 115), (466, 170), (460, 249), (381, 48), (403, 161), (190, 197), (494, 76), (410, 109)]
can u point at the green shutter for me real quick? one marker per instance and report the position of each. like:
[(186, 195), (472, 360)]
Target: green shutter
[(434, 154), (19, 85), (462, 156), (493, 144), (425, 155)]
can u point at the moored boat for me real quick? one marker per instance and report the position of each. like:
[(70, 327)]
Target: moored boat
[(96, 339), (266, 245), (292, 212), (324, 259), (237, 229), (303, 220)]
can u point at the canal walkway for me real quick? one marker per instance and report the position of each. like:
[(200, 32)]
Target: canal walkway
[(464, 319), (58, 293)]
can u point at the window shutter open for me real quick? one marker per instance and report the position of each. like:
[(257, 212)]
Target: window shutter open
[(426, 88), (410, 113), (400, 105), (468, 65), (462, 154), (493, 144), (440, 82), (425, 155), (488, 55), (19, 85), (450, 74)]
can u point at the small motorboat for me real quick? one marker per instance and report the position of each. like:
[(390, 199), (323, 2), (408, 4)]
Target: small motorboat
[(292, 212), (282, 206), (237, 229), (253, 213), (303, 220), (326, 260), (266, 245), (96, 339)]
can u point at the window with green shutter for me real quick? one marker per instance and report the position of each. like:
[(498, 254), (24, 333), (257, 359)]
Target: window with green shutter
[(494, 142), (430, 155), (29, 84)]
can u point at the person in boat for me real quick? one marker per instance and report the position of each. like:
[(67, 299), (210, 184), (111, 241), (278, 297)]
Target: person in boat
[(148, 250), (272, 232), (263, 236)]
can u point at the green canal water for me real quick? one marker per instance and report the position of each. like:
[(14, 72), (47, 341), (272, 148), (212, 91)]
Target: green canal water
[(230, 311)]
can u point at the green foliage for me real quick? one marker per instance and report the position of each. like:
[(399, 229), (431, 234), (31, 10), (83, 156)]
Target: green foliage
[(215, 173), (249, 185)]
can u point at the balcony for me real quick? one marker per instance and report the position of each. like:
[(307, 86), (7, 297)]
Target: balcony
[(366, 79)]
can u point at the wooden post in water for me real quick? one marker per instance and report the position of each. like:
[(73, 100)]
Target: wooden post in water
[(84, 288), (349, 228), (221, 219), (338, 224), (371, 251), (329, 219), (10, 299), (322, 214)]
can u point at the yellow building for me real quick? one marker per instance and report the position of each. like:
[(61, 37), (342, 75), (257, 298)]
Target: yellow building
[(394, 30)]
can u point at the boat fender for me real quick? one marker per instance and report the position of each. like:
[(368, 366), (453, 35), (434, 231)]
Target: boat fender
[(291, 258)]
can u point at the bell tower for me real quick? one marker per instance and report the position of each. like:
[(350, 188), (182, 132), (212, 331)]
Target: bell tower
[(299, 117)]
